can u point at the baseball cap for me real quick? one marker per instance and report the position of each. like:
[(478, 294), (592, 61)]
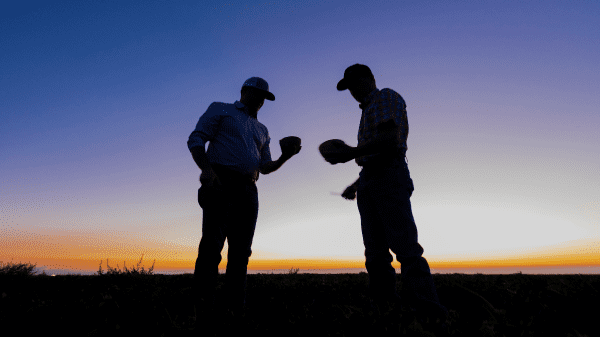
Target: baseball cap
[(260, 84), (353, 73)]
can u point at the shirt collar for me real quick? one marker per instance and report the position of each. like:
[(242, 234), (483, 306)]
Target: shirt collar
[(368, 99), (241, 106)]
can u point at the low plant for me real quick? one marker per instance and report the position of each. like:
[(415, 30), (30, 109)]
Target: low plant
[(133, 271), (17, 269), (27, 269)]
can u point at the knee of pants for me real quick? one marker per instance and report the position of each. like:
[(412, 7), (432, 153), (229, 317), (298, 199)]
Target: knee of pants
[(408, 260), (416, 264), (205, 254), (239, 255), (379, 267), (378, 256), (211, 242), (411, 262)]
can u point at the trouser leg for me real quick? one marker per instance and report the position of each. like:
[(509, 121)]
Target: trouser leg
[(214, 233), (417, 282), (382, 276), (240, 238), (386, 197), (401, 232)]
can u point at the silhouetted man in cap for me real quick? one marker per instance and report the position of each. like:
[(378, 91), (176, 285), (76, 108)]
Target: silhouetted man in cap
[(238, 151), (383, 192)]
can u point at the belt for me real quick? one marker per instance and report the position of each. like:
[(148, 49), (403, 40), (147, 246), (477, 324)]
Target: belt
[(384, 161), (229, 176)]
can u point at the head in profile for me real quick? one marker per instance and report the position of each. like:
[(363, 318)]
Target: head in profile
[(253, 94), (359, 80)]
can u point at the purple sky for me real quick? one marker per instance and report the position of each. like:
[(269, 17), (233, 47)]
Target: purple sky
[(97, 100)]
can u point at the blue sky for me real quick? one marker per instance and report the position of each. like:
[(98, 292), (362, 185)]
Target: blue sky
[(98, 99)]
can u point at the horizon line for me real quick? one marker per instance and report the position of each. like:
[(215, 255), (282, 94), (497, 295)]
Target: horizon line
[(329, 263), (307, 264), (559, 270)]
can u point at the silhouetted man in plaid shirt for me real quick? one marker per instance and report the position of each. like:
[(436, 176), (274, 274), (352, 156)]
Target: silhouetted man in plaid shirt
[(383, 192)]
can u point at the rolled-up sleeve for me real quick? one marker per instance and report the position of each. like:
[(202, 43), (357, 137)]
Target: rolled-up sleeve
[(394, 108), (206, 128), (265, 153)]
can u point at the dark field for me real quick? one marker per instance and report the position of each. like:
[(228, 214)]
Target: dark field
[(298, 305)]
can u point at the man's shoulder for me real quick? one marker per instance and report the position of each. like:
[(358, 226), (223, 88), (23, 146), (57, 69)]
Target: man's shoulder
[(263, 127), (217, 108), (217, 105), (388, 93)]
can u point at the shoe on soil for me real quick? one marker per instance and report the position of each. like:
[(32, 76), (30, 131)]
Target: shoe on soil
[(433, 316), (206, 319), (384, 305)]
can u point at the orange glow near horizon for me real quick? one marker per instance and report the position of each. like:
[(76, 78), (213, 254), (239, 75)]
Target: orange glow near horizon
[(78, 253), (302, 264)]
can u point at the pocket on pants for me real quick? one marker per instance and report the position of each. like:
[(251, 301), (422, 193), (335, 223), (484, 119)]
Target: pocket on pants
[(201, 200), (207, 196)]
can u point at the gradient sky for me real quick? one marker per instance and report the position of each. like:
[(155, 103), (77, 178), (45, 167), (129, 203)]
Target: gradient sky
[(97, 100)]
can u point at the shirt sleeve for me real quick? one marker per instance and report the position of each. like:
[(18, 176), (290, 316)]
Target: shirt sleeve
[(395, 109), (206, 128), (265, 153)]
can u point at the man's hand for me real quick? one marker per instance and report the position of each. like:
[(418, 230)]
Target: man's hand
[(290, 151), (342, 154), (350, 192), (290, 146), (209, 178)]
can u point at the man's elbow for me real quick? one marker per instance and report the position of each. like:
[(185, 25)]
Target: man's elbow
[(196, 150), (267, 168), (389, 141)]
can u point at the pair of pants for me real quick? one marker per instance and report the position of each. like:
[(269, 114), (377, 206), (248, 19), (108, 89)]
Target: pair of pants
[(383, 198), (229, 212)]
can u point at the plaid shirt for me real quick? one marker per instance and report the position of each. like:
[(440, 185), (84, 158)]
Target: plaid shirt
[(380, 106), (236, 140)]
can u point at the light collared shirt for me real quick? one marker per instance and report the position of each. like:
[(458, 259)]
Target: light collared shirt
[(236, 140), (380, 106)]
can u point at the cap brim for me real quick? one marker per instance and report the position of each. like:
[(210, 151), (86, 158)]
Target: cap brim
[(342, 85), (268, 95)]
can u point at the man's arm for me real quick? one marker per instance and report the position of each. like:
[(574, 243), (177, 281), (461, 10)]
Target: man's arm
[(391, 132), (350, 191), (273, 166), (385, 141), (205, 131), (199, 155), (208, 176)]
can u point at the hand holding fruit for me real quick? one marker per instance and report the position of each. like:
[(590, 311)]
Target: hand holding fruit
[(335, 151), (290, 146)]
